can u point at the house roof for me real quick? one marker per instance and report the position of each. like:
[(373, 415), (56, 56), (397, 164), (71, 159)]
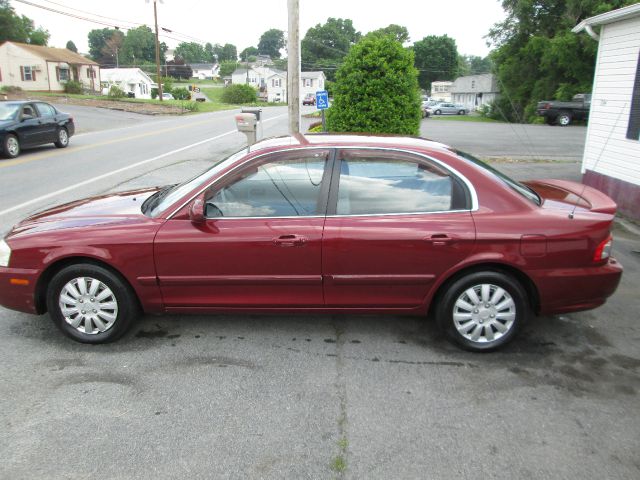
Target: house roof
[(123, 75), (202, 66), (55, 54), (609, 17), (238, 71), (312, 74)]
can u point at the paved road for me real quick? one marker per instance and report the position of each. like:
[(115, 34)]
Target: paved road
[(292, 397)]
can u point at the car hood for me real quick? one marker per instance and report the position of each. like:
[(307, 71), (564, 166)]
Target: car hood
[(6, 123), (122, 207)]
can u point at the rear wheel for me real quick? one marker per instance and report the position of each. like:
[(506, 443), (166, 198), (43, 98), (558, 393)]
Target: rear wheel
[(483, 311), (11, 146), (461, 112), (90, 303), (437, 112), (62, 138), (564, 118)]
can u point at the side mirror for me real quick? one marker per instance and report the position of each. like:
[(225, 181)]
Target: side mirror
[(196, 211)]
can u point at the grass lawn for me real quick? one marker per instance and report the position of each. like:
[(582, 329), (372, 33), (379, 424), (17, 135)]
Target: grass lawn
[(463, 118)]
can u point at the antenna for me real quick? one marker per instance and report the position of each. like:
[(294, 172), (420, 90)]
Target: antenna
[(595, 164)]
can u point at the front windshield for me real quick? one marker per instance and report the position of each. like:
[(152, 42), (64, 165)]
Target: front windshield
[(8, 110), (517, 186), (166, 197)]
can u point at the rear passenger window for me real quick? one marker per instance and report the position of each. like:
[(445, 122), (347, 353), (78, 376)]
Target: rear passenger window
[(45, 110), (392, 182)]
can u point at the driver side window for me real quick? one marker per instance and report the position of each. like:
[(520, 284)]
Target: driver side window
[(285, 186)]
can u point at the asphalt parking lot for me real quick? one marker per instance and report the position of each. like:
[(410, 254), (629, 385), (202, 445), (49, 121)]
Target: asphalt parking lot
[(324, 396)]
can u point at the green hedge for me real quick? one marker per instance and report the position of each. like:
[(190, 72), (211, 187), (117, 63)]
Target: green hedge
[(239, 94)]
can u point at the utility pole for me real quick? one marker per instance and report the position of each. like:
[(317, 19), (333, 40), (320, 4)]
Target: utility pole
[(293, 66), (155, 16)]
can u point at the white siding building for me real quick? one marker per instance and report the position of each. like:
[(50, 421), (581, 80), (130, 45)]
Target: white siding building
[(611, 161), (45, 69), (473, 91), (441, 90), (129, 80), (272, 83)]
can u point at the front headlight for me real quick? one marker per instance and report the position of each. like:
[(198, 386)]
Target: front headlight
[(5, 254)]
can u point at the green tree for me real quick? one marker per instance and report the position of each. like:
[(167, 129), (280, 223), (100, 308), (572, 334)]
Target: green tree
[(376, 89), (436, 59), (208, 50), (191, 52), (325, 46), (72, 46), (537, 56), (139, 46), (225, 52), (398, 32), (16, 28), (271, 42), (473, 65), (98, 39), (248, 52), (227, 68)]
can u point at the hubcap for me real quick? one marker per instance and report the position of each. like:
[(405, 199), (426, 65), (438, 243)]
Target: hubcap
[(88, 305), (13, 146), (64, 138), (484, 313), (564, 120)]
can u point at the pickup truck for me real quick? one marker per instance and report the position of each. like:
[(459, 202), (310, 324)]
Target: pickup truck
[(563, 113)]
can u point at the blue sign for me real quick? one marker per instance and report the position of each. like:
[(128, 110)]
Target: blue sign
[(322, 100)]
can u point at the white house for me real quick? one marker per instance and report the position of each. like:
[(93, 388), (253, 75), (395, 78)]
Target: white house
[(611, 161), (272, 83), (45, 69), (277, 87), (311, 82), (473, 91), (129, 80), (204, 71), (441, 91)]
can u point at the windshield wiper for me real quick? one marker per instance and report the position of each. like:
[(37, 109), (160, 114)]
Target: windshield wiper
[(151, 202)]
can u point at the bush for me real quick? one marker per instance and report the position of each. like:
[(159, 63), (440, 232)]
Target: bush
[(376, 89), (154, 93), (181, 93), (116, 92), (72, 86), (10, 89), (238, 94)]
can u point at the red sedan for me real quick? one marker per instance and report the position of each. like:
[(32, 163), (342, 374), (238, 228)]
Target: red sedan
[(321, 223)]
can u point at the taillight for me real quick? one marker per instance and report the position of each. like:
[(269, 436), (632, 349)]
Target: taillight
[(603, 251)]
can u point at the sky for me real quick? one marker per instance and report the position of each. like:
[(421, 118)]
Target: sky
[(242, 23)]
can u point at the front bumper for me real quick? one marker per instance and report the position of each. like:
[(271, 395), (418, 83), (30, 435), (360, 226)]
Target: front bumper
[(17, 289)]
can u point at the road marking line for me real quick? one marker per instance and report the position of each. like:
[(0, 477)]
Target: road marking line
[(57, 152), (123, 169)]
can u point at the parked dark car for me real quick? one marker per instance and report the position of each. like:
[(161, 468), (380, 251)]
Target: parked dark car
[(321, 223), (31, 123), (563, 113), (309, 99)]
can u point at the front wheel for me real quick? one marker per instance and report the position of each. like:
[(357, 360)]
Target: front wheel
[(11, 146), (483, 311), (461, 112), (91, 304), (62, 138), (437, 112)]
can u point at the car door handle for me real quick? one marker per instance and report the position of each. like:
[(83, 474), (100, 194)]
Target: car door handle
[(441, 239), (290, 240)]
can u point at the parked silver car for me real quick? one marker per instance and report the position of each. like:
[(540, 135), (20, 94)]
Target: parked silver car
[(447, 108)]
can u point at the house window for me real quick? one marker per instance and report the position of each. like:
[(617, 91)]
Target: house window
[(276, 82), (91, 73), (633, 130), (64, 74), (473, 84), (27, 73), (308, 82)]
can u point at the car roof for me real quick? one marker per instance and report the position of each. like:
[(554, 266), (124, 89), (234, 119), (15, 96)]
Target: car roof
[(349, 140)]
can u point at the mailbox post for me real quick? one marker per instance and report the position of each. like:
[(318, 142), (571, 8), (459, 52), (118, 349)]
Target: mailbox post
[(247, 124)]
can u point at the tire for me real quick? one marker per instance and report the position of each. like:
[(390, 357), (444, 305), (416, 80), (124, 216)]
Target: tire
[(108, 312), (63, 138), (486, 327), (11, 146), (550, 120), (461, 112), (437, 112), (564, 119)]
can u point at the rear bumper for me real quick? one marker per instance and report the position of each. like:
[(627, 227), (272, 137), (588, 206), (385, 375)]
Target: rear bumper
[(17, 289), (576, 289)]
